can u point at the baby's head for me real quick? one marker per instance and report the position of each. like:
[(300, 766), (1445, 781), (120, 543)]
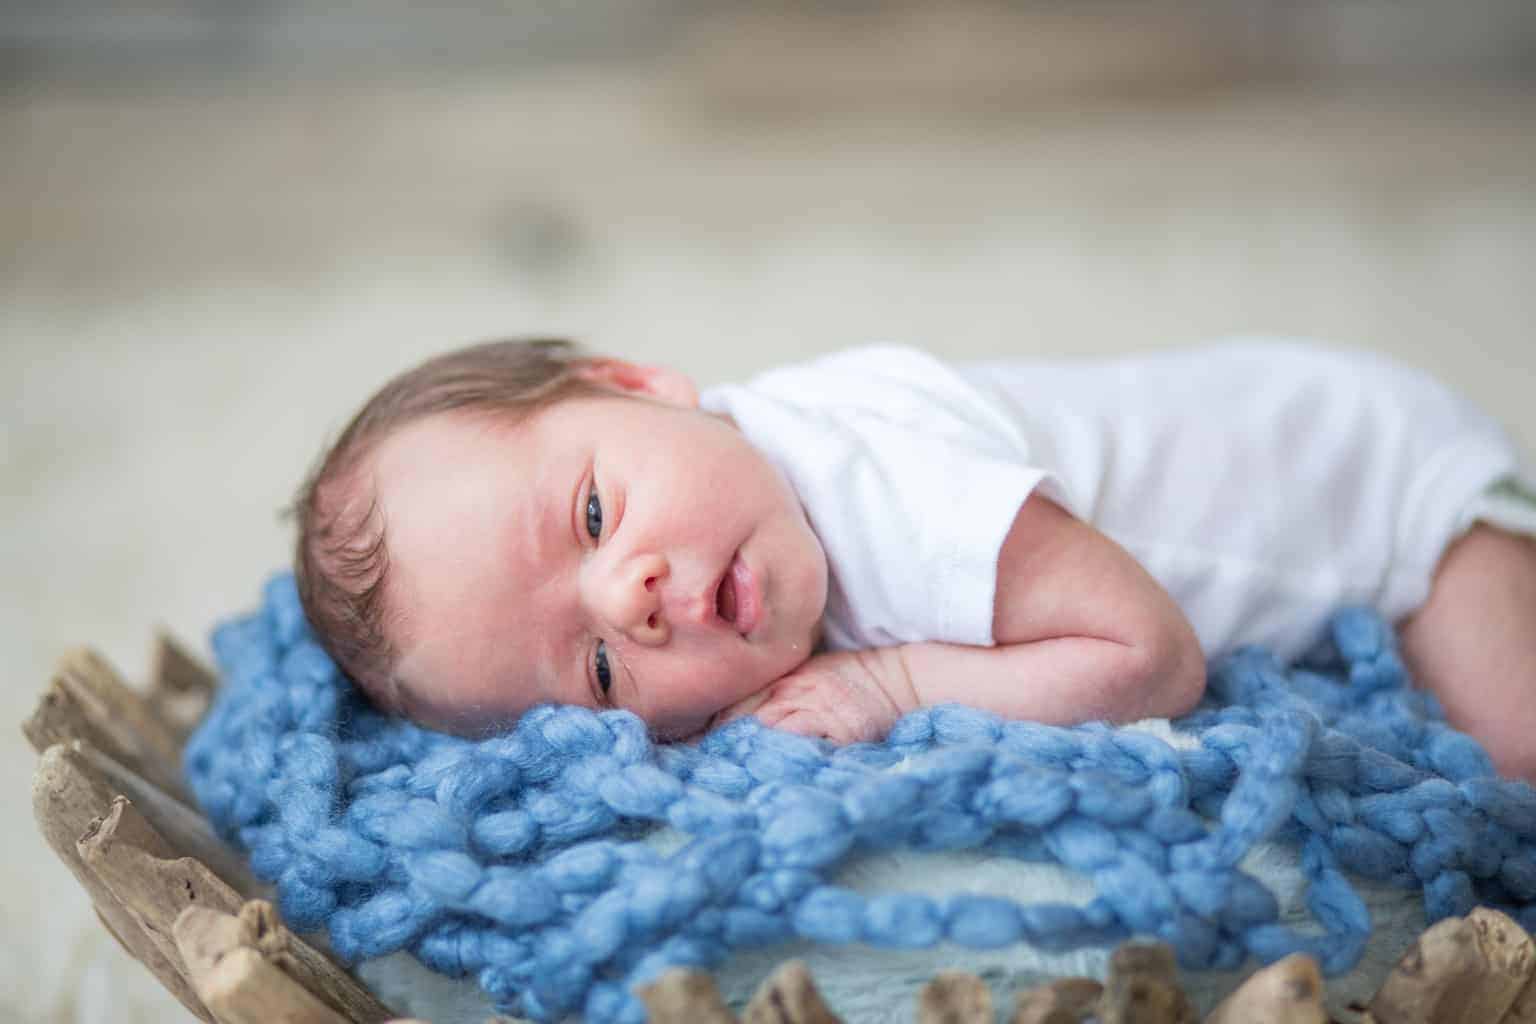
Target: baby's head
[(520, 522)]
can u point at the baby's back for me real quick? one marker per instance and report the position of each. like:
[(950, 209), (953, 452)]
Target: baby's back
[(1263, 483)]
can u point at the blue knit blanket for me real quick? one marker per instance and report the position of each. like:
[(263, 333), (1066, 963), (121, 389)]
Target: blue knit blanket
[(521, 859)]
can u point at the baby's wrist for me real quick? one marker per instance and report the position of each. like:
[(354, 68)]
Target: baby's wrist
[(888, 667)]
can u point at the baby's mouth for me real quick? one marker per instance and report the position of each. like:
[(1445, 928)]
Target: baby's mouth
[(725, 596), (736, 597)]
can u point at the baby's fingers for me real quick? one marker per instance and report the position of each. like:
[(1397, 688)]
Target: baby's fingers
[(773, 713)]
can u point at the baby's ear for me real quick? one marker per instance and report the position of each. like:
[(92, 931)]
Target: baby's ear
[(659, 382)]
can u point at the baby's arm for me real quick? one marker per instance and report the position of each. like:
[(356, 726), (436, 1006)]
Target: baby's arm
[(1082, 632)]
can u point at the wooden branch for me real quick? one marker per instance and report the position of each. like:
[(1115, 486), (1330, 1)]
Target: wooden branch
[(1523, 1009), (1463, 970), (237, 981), (1288, 991), (136, 864), (66, 797), (685, 997), (308, 965), (87, 700), (122, 942), (1511, 957), (1064, 1001), (186, 831), (180, 686), (789, 996), (955, 997), (245, 988), (145, 875), (1143, 988)]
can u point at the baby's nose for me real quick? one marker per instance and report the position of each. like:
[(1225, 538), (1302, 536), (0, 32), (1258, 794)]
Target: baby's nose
[(632, 599)]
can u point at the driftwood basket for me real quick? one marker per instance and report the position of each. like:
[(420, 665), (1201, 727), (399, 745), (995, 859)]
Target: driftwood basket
[(109, 798)]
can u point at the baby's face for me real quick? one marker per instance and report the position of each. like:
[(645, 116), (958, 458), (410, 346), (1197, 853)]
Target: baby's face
[(610, 551)]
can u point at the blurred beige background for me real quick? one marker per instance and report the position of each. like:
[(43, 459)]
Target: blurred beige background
[(224, 224)]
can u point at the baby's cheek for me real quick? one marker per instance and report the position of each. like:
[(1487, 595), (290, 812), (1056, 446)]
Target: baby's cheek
[(687, 695)]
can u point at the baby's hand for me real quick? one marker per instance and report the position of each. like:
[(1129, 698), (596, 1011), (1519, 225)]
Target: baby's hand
[(846, 697)]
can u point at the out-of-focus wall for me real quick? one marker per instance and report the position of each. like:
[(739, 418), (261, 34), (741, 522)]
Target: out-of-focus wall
[(1031, 40), (223, 224)]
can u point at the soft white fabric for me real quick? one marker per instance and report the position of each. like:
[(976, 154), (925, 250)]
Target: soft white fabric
[(1263, 483), (910, 480), (1507, 504)]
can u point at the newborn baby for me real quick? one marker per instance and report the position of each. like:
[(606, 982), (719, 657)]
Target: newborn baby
[(834, 544)]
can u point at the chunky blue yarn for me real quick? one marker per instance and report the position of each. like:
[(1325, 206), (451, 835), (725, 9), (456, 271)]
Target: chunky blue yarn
[(520, 859)]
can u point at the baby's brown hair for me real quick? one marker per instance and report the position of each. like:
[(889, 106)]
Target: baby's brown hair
[(341, 559)]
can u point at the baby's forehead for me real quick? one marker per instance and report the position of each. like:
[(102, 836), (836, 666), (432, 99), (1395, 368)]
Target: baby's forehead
[(427, 450), (465, 520)]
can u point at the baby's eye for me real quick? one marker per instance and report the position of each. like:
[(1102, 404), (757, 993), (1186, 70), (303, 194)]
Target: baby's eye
[(600, 667), (594, 514)]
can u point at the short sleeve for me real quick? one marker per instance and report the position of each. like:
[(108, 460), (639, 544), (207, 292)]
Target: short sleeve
[(911, 479)]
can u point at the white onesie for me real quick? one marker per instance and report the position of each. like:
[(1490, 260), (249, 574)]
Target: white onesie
[(1262, 483)]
